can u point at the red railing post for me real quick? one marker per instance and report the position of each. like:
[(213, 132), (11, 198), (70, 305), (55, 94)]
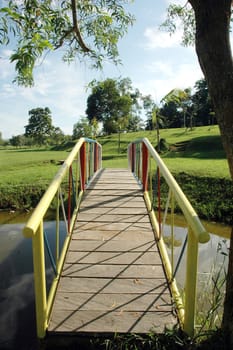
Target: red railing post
[(132, 154), (83, 165), (96, 160), (145, 157)]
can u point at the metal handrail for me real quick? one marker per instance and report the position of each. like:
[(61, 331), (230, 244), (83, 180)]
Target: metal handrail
[(86, 157), (140, 152)]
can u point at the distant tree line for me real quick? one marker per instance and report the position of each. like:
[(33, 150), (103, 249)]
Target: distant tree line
[(39, 130), (119, 107), (115, 106)]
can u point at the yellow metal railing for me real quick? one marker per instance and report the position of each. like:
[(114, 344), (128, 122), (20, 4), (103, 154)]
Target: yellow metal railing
[(64, 194), (141, 154)]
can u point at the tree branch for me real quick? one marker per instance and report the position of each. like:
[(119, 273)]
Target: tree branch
[(61, 41), (76, 28)]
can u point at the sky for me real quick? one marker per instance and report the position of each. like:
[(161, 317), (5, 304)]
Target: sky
[(153, 60)]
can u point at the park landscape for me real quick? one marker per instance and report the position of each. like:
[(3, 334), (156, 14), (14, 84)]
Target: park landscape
[(194, 155), (199, 155)]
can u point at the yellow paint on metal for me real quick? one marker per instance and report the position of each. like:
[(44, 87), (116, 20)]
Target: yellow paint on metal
[(34, 229), (172, 282), (166, 262), (196, 234), (39, 212), (39, 280), (191, 282), (190, 214), (151, 212)]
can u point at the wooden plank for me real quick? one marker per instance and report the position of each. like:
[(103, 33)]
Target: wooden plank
[(113, 186), (105, 322), (115, 226), (112, 246), (112, 279), (113, 302), (115, 180), (115, 192), (113, 211), (112, 217), (112, 202), (113, 285), (138, 258), (104, 235), (113, 271)]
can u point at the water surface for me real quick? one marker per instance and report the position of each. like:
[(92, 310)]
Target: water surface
[(17, 305)]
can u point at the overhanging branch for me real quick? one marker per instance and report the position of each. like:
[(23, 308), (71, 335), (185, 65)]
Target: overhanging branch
[(76, 28)]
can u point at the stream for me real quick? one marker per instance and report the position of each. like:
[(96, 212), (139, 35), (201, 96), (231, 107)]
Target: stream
[(17, 308)]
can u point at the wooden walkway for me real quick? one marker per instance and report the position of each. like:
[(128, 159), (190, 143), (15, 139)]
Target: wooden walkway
[(113, 279)]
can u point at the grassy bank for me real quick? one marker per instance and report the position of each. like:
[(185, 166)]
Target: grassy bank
[(196, 158)]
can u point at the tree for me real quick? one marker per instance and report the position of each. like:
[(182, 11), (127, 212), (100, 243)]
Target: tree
[(39, 26), (183, 102), (39, 125), (17, 141), (154, 117), (82, 129), (212, 41), (202, 104), (56, 136), (1, 139), (112, 102), (172, 115)]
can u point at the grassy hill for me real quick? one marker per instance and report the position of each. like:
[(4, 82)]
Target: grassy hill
[(195, 157), (198, 151)]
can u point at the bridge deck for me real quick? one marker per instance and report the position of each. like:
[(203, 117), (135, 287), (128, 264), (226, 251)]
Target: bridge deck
[(113, 278)]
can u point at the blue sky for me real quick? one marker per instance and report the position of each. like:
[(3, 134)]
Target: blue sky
[(154, 61)]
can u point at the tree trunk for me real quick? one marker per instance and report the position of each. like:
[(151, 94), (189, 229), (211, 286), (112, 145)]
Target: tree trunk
[(215, 57)]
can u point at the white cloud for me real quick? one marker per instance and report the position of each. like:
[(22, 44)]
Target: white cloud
[(177, 2), (6, 68), (169, 76), (59, 86), (157, 39), (160, 67)]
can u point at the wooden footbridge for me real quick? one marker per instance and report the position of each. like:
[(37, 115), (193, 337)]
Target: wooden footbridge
[(112, 272)]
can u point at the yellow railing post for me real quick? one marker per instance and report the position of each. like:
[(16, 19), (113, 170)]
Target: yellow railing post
[(39, 280), (191, 283), (57, 230)]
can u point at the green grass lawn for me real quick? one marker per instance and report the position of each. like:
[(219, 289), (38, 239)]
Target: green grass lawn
[(26, 173), (28, 166), (203, 155)]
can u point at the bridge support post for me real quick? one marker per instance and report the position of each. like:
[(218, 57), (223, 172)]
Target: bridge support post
[(40, 281), (145, 157), (83, 165), (191, 284), (96, 160), (132, 154)]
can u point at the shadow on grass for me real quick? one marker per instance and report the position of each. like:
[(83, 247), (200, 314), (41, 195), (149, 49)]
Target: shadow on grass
[(114, 156), (29, 150), (203, 147)]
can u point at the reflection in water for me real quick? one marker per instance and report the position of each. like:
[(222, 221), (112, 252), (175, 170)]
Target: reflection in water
[(17, 308), (17, 314), (211, 254), (17, 304), (212, 268)]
